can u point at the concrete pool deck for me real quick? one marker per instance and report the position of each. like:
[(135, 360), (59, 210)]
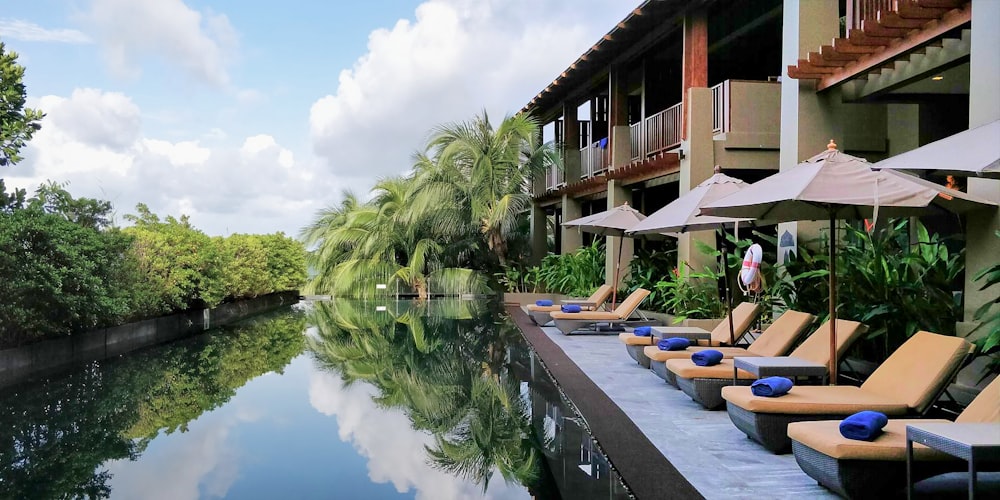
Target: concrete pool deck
[(704, 446)]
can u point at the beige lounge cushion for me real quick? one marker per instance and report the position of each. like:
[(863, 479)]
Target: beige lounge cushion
[(816, 347), (918, 369), (654, 353), (824, 436), (743, 316), (685, 368), (985, 408), (538, 308), (629, 338), (815, 400), (621, 313), (779, 337)]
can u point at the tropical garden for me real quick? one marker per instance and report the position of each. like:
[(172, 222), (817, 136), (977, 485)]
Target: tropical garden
[(67, 268)]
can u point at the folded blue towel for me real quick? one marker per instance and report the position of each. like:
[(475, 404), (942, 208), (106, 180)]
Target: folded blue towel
[(673, 344), (543, 302), (863, 425), (643, 331), (771, 387), (603, 143), (708, 357), (571, 308)]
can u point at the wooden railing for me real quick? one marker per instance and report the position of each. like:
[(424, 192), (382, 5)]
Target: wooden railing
[(720, 108), (859, 11), (662, 131), (555, 177), (594, 158), (635, 139)]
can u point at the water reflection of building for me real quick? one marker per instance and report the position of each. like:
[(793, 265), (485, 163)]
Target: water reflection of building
[(578, 466)]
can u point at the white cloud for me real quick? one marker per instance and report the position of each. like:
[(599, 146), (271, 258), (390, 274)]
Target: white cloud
[(457, 58), (394, 450), (17, 29), (94, 140), (201, 43)]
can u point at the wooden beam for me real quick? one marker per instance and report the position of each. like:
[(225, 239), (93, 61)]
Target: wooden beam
[(874, 29), (908, 9), (942, 4), (844, 46), (859, 38), (831, 54), (816, 59), (806, 67), (795, 73), (894, 20), (934, 29)]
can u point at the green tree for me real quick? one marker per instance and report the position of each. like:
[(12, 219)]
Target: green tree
[(17, 123)]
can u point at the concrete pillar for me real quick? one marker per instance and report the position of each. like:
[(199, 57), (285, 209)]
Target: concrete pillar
[(697, 165), (695, 59), (617, 195), (807, 118), (621, 153), (571, 142), (903, 127), (982, 246), (571, 237), (539, 235)]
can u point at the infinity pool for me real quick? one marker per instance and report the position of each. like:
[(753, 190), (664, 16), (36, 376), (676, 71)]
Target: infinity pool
[(442, 399)]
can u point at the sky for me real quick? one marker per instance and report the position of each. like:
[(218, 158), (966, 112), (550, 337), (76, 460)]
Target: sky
[(251, 116)]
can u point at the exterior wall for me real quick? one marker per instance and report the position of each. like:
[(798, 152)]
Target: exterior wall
[(697, 165), (539, 235), (570, 236), (982, 247), (903, 122), (619, 250), (754, 115), (53, 355)]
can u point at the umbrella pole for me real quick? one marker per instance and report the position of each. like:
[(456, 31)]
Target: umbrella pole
[(729, 297), (833, 300), (614, 291)]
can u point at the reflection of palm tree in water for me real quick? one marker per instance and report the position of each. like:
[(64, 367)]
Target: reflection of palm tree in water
[(447, 371)]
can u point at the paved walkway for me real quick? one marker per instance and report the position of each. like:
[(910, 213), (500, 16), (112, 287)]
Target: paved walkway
[(704, 446)]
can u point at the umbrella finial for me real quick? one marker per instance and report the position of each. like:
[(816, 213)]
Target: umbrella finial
[(832, 146), (718, 169)]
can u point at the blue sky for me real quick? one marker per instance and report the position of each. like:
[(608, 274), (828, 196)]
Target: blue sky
[(251, 116)]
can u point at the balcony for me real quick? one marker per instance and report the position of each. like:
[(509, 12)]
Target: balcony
[(655, 134), (555, 178), (594, 159)]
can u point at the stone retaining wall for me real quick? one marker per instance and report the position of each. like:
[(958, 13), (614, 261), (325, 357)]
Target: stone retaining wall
[(52, 355)]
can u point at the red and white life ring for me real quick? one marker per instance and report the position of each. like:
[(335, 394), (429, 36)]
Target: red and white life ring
[(750, 272)]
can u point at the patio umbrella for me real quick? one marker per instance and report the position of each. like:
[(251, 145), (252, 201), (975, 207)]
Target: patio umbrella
[(611, 222), (683, 214), (833, 185), (974, 152)]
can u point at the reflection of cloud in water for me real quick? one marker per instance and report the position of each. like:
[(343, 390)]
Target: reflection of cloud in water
[(175, 468), (395, 451)]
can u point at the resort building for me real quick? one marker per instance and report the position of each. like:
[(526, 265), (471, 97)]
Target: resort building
[(757, 86)]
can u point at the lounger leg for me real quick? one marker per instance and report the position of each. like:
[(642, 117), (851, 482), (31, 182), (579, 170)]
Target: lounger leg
[(909, 469), (972, 479)]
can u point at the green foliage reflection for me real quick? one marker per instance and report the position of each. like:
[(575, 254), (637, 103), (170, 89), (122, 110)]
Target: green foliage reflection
[(444, 364), (56, 435)]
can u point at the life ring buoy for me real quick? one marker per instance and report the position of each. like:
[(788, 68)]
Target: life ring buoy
[(750, 272)]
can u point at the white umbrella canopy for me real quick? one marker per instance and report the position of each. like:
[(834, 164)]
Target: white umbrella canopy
[(683, 214), (974, 152), (833, 185), (612, 222)]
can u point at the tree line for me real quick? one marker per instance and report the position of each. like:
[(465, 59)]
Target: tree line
[(66, 268)]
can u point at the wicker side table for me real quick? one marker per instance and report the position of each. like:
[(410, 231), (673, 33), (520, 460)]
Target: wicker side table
[(777, 366), (974, 443)]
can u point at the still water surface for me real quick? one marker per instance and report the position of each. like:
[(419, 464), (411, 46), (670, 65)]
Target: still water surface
[(322, 400)]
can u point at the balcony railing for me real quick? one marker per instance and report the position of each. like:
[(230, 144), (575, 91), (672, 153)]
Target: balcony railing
[(594, 158), (555, 177), (662, 131), (859, 11), (720, 108)]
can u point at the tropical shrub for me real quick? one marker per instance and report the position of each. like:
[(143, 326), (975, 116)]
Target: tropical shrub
[(988, 314), (692, 295), (577, 274), (649, 267)]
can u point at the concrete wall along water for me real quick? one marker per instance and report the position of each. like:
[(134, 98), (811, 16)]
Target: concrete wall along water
[(52, 355)]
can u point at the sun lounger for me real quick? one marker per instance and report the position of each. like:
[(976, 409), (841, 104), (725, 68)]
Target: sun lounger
[(743, 316), (878, 468), (603, 321), (908, 382), (541, 314), (704, 383)]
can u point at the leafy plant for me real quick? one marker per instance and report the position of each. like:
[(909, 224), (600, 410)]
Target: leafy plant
[(987, 314), (518, 279), (648, 268), (692, 295), (577, 274)]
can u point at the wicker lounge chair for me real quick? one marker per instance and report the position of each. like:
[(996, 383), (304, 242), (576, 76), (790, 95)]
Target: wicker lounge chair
[(878, 468), (541, 314), (907, 383), (603, 321), (743, 316), (704, 383)]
